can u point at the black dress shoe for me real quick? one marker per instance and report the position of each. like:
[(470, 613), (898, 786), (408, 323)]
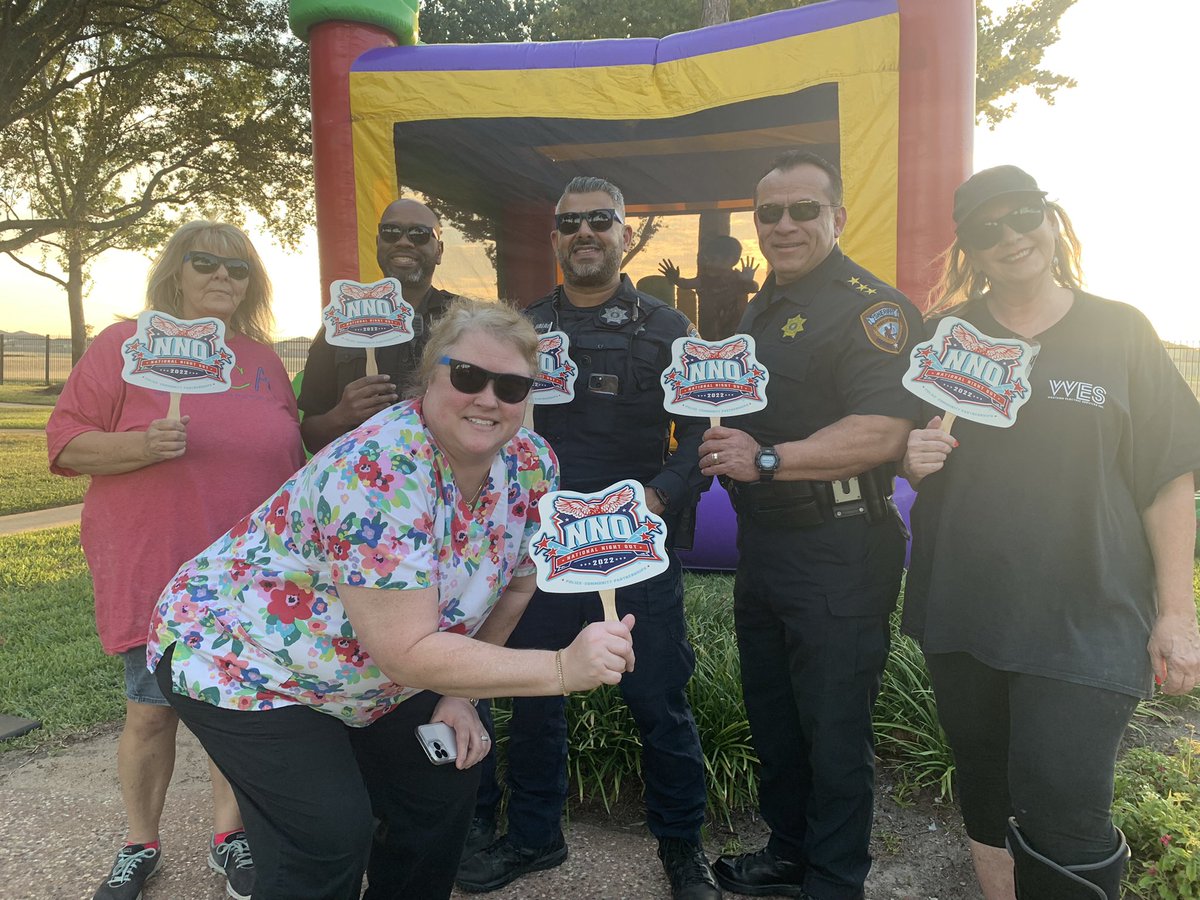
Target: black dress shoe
[(761, 874), (502, 862), (688, 870)]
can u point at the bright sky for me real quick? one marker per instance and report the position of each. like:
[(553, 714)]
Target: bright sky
[(1113, 151)]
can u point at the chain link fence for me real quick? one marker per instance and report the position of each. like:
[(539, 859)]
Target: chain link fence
[(46, 359)]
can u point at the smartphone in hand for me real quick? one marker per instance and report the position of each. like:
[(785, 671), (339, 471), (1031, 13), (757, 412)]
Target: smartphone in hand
[(437, 740)]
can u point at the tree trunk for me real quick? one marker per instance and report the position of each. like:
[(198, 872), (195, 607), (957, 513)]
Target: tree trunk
[(714, 12), (75, 296)]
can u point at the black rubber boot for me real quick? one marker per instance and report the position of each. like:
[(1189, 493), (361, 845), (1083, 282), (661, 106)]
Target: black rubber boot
[(1040, 878)]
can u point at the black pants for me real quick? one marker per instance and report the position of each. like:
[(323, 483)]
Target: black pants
[(811, 611), (655, 691), (1039, 749), (308, 787)]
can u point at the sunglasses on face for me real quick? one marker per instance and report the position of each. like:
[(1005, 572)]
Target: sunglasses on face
[(469, 378), (206, 264), (985, 235), (597, 220), (418, 235), (800, 211)]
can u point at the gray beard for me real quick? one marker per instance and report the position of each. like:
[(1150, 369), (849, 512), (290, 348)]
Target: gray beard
[(413, 276), (593, 274)]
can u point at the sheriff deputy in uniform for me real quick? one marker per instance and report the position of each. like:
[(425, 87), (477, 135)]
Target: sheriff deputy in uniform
[(337, 394), (614, 428), (821, 546)]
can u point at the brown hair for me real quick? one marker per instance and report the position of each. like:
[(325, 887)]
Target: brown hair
[(253, 316)]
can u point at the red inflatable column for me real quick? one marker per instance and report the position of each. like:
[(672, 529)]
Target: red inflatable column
[(937, 119), (525, 264), (333, 48)]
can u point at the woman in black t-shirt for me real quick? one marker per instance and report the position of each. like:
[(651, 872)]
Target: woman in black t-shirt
[(1051, 578)]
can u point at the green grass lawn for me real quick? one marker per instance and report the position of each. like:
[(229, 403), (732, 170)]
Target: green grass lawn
[(33, 417), (25, 480), (51, 666), (20, 392)]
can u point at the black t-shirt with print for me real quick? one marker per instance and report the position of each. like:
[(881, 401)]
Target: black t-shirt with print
[(1029, 551)]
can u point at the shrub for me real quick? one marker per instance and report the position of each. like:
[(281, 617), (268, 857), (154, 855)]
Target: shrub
[(1157, 805)]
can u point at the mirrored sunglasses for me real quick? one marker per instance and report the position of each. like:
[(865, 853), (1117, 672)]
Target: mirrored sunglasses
[(418, 235), (206, 264), (800, 211), (985, 235), (597, 220), (471, 379)]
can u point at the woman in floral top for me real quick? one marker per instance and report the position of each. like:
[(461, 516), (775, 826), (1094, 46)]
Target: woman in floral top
[(370, 595)]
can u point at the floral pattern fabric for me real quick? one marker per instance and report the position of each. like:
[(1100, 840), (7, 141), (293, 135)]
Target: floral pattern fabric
[(255, 618)]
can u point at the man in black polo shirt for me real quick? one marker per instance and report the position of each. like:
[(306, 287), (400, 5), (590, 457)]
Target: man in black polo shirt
[(821, 548), (337, 394)]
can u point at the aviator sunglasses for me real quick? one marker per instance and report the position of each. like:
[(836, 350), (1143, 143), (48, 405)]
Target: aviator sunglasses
[(471, 379), (206, 264), (800, 211), (418, 235), (597, 220), (986, 235)]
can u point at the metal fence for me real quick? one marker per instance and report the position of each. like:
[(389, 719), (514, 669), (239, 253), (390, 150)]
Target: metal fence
[(45, 359)]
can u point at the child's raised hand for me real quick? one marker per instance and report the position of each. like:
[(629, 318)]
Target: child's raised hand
[(669, 270), (749, 267)]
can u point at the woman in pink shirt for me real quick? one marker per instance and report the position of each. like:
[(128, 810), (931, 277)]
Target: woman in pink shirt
[(162, 490)]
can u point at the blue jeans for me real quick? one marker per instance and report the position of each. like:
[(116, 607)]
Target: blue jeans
[(672, 761)]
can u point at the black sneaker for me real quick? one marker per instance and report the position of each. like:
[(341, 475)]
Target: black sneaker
[(481, 833), (688, 870), (502, 862), (231, 858), (135, 863)]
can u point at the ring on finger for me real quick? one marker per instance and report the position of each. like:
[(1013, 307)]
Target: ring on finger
[(485, 737), (716, 458)]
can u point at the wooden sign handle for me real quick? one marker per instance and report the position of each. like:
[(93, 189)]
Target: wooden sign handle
[(372, 365), (714, 421), (608, 599), (173, 406), (948, 422)]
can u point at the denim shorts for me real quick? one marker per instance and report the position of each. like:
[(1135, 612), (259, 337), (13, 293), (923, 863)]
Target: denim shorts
[(140, 686)]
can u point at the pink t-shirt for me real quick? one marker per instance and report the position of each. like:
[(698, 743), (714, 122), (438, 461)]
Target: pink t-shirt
[(140, 526)]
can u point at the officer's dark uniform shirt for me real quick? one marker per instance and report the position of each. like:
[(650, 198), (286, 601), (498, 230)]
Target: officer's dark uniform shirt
[(1029, 551), (329, 369), (836, 343), (600, 437)]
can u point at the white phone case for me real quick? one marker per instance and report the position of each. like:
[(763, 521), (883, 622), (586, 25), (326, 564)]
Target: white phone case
[(437, 739)]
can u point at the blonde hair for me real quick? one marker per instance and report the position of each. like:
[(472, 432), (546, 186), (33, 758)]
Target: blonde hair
[(253, 316), (467, 315), (962, 281)]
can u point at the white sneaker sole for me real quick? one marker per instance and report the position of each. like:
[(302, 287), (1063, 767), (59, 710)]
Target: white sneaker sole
[(212, 864)]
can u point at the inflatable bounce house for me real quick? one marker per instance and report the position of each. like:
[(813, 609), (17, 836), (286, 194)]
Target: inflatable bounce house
[(684, 125)]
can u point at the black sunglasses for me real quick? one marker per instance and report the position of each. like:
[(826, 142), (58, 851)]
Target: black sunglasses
[(418, 235), (471, 379), (206, 264), (985, 235), (597, 219), (800, 211)]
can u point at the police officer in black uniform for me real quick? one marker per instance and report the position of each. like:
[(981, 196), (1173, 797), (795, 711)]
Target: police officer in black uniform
[(614, 428), (337, 394), (821, 546)]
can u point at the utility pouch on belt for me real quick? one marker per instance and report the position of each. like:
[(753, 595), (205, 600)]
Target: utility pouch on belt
[(780, 504)]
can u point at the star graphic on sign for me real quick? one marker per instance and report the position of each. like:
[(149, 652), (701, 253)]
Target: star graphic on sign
[(793, 326), (614, 315)]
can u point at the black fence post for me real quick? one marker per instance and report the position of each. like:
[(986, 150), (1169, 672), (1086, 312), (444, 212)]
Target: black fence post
[(47, 360)]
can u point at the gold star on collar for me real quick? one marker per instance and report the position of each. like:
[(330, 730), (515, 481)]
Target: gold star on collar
[(854, 281), (793, 326)]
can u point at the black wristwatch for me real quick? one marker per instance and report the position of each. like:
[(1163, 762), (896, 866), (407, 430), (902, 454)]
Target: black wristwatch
[(767, 460)]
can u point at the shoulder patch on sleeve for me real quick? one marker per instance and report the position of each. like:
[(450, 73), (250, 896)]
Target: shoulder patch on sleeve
[(885, 326)]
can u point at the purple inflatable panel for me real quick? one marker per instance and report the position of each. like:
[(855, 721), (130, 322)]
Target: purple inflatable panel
[(715, 544)]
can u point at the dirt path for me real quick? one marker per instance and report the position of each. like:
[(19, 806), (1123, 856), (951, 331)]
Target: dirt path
[(62, 821)]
